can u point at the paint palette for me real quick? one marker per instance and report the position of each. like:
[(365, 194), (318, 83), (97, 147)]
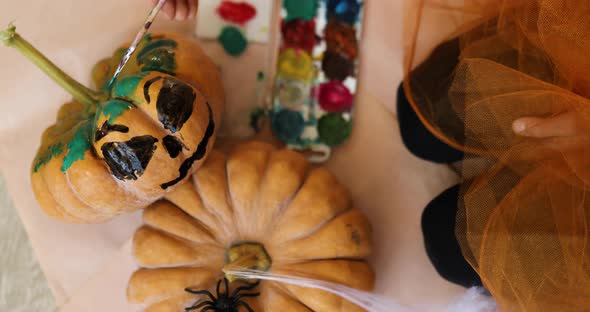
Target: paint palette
[(316, 79)]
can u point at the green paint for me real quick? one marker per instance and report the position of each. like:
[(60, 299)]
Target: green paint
[(79, 144), (116, 59), (158, 56), (334, 129), (260, 76), (158, 44), (300, 9), (44, 158), (114, 108), (145, 40), (233, 41), (126, 87), (161, 60)]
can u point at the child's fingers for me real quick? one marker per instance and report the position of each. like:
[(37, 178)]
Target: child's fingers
[(182, 10), (563, 125), (169, 8), (179, 9), (193, 6)]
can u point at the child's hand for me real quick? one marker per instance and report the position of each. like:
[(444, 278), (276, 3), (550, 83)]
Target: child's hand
[(563, 125), (179, 9)]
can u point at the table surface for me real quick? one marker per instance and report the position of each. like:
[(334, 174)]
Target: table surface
[(389, 184)]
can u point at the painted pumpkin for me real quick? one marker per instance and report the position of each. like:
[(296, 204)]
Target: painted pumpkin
[(123, 146), (259, 208)]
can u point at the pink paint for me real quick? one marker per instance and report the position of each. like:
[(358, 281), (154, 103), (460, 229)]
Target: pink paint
[(236, 12), (335, 97)]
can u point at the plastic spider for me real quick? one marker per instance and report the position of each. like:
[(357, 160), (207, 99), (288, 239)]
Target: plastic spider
[(224, 302)]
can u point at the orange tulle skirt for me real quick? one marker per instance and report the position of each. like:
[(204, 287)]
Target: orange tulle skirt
[(524, 218)]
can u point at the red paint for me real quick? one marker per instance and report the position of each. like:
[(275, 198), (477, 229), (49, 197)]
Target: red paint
[(335, 97), (236, 12), (299, 34)]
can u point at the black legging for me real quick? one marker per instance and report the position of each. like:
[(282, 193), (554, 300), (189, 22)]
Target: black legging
[(439, 217)]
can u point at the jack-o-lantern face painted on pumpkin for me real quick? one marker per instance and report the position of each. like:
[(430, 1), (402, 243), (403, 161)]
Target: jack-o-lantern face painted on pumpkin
[(127, 144), (156, 154)]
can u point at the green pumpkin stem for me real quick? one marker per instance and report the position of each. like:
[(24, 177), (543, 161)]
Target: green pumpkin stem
[(84, 95)]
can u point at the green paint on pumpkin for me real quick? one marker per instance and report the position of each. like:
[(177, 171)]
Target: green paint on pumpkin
[(79, 144), (127, 86), (115, 108), (158, 44), (159, 55), (333, 129), (160, 60), (44, 158), (300, 9), (233, 41)]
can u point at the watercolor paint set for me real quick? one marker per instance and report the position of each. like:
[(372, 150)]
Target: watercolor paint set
[(311, 50), (316, 74)]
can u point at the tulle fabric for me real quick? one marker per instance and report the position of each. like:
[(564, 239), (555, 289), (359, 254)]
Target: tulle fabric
[(524, 211)]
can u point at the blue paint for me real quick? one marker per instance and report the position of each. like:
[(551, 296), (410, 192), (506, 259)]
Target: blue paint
[(347, 11), (287, 125)]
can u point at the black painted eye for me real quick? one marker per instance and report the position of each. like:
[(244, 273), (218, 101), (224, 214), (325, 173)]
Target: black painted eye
[(175, 104), (128, 160), (172, 145), (106, 128)]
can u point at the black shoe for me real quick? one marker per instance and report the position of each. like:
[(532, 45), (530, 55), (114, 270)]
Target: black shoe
[(417, 139), (442, 247)]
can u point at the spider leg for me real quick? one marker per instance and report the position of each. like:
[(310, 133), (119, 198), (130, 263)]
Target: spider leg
[(201, 292), (249, 287), (202, 304), (217, 288), (226, 285), (208, 309), (240, 296), (245, 305)]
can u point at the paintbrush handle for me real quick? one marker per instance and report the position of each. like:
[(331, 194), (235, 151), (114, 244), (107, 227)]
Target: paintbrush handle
[(146, 26)]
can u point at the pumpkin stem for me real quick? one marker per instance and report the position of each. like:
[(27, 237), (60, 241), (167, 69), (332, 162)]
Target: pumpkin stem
[(84, 95), (246, 255)]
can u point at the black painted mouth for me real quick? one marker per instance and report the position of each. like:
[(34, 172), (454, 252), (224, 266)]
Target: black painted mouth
[(128, 160), (198, 154)]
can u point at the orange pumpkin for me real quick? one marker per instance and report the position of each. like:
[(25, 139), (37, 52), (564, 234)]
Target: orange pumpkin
[(258, 208), (124, 145)]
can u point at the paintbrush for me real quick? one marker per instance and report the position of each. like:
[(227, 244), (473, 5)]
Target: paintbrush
[(146, 26)]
